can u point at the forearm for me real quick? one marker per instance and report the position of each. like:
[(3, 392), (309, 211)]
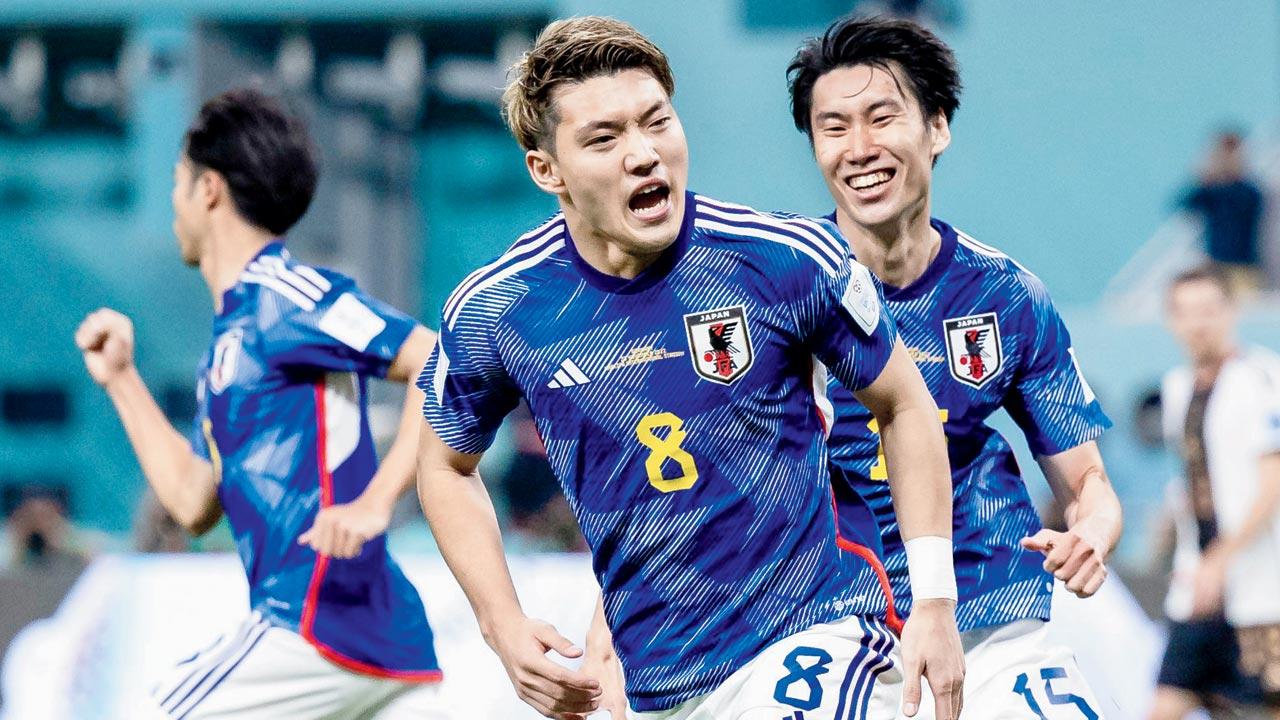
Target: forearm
[(919, 472), (1098, 508), (599, 637), (396, 472), (182, 482), (462, 519)]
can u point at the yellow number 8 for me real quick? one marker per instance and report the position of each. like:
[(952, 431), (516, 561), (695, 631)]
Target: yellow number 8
[(662, 449), (880, 470)]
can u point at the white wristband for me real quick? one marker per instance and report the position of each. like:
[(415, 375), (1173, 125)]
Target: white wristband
[(933, 573)]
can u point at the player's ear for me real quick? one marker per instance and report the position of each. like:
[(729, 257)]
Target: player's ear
[(545, 171), (211, 189), (939, 133)]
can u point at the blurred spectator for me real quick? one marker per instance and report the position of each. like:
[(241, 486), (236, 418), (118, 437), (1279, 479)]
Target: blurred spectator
[(156, 531), (39, 533), (1223, 414), (539, 512), (1230, 206), (43, 560)]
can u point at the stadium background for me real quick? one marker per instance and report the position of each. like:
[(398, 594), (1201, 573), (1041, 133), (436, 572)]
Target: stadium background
[(1079, 126)]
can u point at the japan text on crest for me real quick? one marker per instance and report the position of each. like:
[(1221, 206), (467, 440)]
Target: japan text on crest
[(974, 352), (720, 343)]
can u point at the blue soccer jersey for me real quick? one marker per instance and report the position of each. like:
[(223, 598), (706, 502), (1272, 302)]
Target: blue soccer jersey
[(678, 412), (985, 335), (282, 416)]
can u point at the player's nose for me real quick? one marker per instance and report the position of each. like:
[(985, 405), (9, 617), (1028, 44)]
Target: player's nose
[(641, 155), (860, 146)]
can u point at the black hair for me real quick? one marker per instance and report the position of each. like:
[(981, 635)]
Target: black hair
[(265, 154), (928, 64)]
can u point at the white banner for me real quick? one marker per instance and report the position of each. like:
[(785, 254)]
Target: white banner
[(130, 618)]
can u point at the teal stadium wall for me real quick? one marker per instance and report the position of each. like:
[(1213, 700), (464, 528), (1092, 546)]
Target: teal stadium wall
[(1079, 122)]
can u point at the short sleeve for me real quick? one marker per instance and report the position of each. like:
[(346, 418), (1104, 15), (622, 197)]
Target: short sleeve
[(1270, 397), (468, 391), (844, 322), (1051, 400), (344, 330)]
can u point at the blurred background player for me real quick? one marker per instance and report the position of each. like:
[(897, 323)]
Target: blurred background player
[(694, 467), (282, 442), (876, 98), (1222, 411)]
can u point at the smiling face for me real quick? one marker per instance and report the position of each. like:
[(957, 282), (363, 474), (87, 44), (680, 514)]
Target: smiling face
[(873, 144), (619, 163)]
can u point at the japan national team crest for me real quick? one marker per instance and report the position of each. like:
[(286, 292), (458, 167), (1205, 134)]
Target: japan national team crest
[(974, 352), (720, 343), (226, 356)]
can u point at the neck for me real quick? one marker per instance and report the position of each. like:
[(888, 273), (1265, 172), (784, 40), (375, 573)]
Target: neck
[(607, 254), (1206, 366), (898, 252), (228, 249)]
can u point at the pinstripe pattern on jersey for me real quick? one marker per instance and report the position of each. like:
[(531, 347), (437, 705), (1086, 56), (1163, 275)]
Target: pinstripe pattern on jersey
[(998, 581), (696, 581)]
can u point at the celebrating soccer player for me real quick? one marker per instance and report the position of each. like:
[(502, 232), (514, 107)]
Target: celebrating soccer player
[(281, 442), (876, 98), (664, 342)]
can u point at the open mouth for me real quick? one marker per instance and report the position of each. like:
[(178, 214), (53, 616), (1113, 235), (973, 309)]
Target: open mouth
[(650, 201), (871, 180)]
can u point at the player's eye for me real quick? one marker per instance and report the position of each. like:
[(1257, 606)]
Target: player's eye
[(599, 141), (881, 120), (833, 130), (661, 122)]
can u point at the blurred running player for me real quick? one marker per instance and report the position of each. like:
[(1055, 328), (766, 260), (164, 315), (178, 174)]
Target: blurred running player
[(876, 98), (281, 442), (663, 342)]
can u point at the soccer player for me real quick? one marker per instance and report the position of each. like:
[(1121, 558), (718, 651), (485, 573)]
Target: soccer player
[(876, 97), (1222, 414), (663, 342), (281, 442)]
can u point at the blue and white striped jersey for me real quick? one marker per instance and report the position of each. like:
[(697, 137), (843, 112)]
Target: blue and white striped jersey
[(985, 335), (678, 412), (282, 416)]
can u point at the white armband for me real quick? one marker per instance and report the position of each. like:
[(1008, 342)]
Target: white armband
[(933, 573)]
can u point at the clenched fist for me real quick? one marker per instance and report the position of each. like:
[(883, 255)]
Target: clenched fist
[(105, 338)]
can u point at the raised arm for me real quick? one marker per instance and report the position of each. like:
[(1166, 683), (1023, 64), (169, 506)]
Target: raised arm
[(920, 482), (462, 518), (183, 481)]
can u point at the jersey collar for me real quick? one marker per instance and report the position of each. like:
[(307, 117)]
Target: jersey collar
[(648, 277), (234, 296), (932, 274)]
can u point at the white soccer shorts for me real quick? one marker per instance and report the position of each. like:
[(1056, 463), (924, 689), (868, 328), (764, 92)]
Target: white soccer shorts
[(846, 670), (1015, 672), (265, 672)]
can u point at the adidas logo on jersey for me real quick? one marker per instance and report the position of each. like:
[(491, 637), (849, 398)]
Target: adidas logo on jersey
[(568, 375)]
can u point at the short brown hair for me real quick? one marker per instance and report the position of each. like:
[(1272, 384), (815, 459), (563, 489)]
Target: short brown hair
[(570, 51), (1209, 273)]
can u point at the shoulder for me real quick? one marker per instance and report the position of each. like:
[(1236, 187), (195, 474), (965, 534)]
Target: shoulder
[(1019, 286), (1175, 381), (811, 243), (300, 287), (1264, 363), (488, 291)]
